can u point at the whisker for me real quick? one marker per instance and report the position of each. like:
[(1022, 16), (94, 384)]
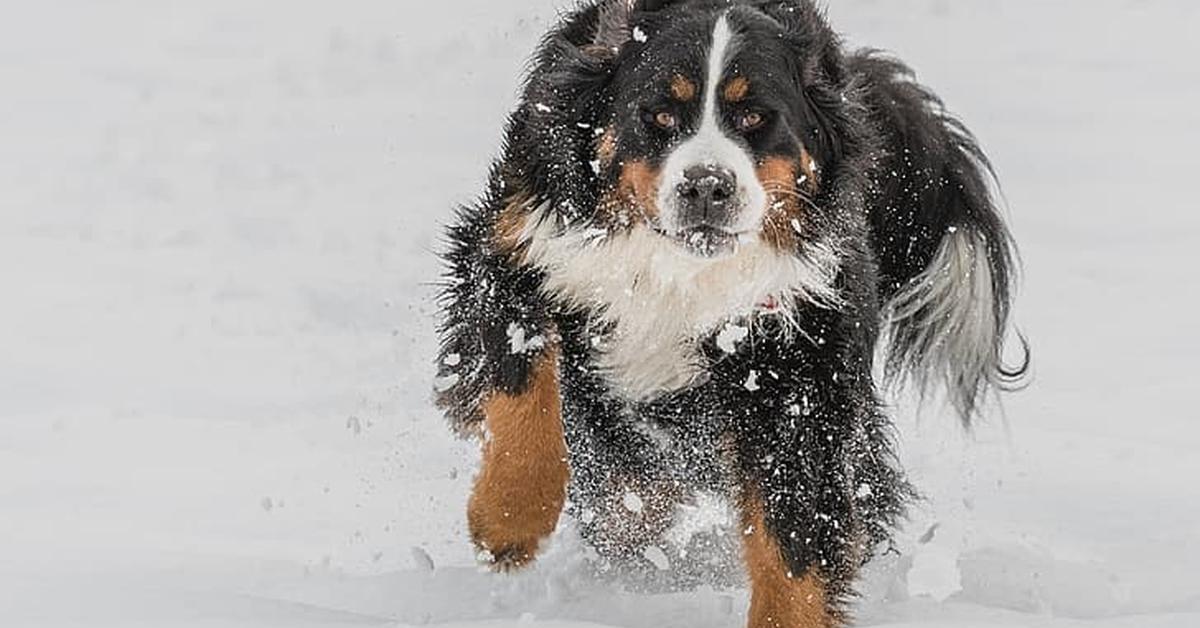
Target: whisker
[(782, 191)]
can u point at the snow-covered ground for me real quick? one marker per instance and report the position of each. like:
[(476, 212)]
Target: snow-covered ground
[(217, 222)]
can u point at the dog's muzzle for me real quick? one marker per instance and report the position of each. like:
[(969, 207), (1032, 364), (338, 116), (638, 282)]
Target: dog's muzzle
[(707, 203)]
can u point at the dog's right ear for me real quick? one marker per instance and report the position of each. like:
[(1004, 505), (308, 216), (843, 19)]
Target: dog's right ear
[(614, 25)]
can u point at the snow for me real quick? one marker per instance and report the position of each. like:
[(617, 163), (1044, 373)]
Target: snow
[(730, 336), (657, 557), (216, 260), (519, 343)]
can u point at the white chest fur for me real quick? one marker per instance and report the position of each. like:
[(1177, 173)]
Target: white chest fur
[(657, 300)]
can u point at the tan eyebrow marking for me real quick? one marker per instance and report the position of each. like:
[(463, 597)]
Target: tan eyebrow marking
[(682, 89), (736, 89)]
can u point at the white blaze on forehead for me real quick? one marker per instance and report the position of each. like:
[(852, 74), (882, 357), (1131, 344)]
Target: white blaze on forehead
[(718, 57), (711, 146)]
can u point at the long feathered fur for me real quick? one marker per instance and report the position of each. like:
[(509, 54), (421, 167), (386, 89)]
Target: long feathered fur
[(947, 260), (904, 205)]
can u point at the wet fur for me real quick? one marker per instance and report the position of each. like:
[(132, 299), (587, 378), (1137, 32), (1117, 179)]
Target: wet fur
[(901, 240)]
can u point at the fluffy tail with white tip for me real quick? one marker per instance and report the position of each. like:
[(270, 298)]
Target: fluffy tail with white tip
[(948, 259)]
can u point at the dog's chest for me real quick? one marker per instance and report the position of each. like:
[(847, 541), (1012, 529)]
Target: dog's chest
[(652, 305), (646, 340)]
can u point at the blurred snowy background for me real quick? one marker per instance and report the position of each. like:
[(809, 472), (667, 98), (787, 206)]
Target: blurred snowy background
[(217, 225)]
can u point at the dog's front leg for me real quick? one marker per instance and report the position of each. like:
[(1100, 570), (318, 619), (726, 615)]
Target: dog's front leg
[(785, 592), (801, 535), (498, 380), (522, 483)]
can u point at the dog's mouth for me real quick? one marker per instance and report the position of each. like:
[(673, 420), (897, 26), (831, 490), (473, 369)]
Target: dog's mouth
[(705, 241)]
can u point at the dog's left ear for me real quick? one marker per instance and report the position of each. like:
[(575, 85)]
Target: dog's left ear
[(614, 27)]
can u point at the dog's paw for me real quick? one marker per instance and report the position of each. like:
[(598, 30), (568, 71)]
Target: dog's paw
[(507, 557)]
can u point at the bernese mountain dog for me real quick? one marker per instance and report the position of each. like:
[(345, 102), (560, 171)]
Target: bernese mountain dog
[(707, 217)]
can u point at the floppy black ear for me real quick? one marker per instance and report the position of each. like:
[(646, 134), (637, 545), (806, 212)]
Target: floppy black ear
[(614, 25), (820, 69), (613, 28)]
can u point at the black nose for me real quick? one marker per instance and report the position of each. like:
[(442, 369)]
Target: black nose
[(706, 195)]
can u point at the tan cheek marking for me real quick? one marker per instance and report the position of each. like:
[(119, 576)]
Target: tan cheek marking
[(736, 89), (780, 598), (785, 216), (639, 183), (634, 197), (682, 89)]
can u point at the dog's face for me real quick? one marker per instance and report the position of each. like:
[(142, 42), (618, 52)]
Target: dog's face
[(706, 138), (674, 150)]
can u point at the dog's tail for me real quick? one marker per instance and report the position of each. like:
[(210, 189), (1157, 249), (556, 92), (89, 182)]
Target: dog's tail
[(947, 259)]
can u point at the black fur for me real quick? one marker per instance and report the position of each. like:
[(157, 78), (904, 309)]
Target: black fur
[(810, 437), (931, 177)]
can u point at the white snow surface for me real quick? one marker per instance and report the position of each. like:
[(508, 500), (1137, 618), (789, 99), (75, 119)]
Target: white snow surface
[(217, 231)]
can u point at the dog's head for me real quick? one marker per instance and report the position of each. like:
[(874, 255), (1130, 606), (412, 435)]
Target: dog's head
[(714, 120)]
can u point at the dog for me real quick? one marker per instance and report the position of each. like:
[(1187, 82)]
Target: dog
[(714, 237)]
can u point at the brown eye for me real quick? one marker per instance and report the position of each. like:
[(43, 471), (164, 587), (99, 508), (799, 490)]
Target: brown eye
[(665, 120), (750, 121)]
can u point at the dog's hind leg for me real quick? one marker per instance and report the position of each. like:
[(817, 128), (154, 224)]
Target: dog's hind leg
[(629, 513), (521, 487)]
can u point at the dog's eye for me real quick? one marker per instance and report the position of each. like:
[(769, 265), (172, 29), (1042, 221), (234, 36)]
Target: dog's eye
[(666, 120), (750, 121)]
